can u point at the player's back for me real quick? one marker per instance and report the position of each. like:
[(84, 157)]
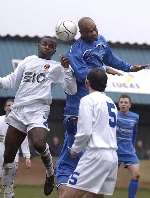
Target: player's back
[(126, 132), (100, 117)]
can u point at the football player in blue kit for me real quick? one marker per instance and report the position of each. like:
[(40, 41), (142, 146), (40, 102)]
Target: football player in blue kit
[(127, 123), (90, 51)]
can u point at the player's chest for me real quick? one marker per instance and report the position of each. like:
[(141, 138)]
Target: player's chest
[(38, 71), (126, 123)]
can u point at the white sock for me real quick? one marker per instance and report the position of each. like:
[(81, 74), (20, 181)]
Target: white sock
[(48, 162), (8, 178)]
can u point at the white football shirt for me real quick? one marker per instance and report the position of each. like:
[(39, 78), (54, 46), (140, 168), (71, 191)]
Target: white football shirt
[(33, 79), (96, 126)]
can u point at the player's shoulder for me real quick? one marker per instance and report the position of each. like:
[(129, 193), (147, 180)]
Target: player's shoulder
[(102, 38), (87, 99), (76, 46), (54, 62), (96, 96), (28, 59), (102, 41), (133, 115)]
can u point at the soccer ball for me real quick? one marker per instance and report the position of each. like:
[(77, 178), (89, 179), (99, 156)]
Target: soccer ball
[(66, 30)]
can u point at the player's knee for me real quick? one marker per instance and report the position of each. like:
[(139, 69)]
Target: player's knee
[(61, 190), (39, 146), (136, 176)]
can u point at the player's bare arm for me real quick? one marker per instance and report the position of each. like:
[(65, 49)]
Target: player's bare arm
[(136, 68), (112, 71)]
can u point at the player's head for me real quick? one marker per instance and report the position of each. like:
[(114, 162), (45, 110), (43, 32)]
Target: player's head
[(96, 80), (8, 106), (124, 103), (47, 47), (88, 29)]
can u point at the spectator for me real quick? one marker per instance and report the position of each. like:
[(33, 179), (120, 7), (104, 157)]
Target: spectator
[(55, 147)]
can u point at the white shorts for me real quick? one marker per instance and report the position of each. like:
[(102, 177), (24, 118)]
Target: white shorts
[(96, 172), (26, 118), (2, 147)]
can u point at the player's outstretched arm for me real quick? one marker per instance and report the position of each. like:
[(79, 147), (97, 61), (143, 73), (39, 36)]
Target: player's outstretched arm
[(12, 80), (84, 127), (136, 68), (70, 84), (112, 71)]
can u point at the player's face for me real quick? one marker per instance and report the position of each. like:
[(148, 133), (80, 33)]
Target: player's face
[(124, 105), (8, 107), (47, 47), (89, 33)]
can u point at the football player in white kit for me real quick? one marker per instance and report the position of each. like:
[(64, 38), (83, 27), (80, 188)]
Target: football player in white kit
[(24, 146), (96, 171), (33, 79)]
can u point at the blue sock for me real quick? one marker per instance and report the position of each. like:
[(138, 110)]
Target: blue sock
[(133, 188)]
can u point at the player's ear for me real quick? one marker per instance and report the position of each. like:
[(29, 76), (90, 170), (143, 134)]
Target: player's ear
[(130, 105), (87, 84)]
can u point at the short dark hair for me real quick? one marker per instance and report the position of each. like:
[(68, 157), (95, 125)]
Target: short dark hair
[(9, 100), (53, 39), (97, 79), (125, 96)]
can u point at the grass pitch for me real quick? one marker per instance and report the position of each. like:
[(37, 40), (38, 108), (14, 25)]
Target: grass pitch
[(37, 192)]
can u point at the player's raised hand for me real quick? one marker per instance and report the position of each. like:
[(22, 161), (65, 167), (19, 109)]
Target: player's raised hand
[(136, 68), (64, 62)]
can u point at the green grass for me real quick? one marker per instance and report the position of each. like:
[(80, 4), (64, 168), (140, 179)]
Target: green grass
[(37, 192)]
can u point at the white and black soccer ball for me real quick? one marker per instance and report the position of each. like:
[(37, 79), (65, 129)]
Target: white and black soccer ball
[(66, 30)]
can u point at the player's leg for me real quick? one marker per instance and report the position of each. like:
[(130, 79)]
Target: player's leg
[(16, 161), (38, 138), (92, 195), (73, 193), (65, 165), (13, 140), (134, 182), (61, 190), (76, 193)]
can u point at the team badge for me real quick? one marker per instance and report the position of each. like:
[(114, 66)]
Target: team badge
[(46, 67)]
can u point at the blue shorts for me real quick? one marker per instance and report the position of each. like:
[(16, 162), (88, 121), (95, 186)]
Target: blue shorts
[(128, 159), (65, 168), (65, 165)]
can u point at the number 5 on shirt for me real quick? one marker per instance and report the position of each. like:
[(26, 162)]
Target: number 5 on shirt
[(112, 114)]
